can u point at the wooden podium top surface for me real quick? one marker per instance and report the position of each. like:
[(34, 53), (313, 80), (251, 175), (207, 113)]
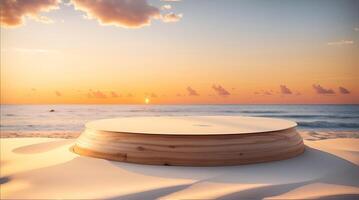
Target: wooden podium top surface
[(191, 125)]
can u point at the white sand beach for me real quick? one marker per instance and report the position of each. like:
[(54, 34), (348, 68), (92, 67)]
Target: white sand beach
[(179, 99), (45, 168)]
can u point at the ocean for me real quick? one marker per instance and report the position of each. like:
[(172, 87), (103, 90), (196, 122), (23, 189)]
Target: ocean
[(20, 118)]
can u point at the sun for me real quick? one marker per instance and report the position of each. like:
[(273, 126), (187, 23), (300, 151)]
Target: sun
[(147, 100)]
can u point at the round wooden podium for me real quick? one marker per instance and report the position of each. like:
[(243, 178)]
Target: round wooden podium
[(191, 141)]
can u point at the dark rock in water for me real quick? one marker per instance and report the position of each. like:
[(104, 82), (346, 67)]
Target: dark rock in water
[(52, 110), (4, 180)]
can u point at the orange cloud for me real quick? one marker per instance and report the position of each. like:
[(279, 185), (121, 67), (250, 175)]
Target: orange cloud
[(13, 12), (114, 94), (123, 13), (96, 94), (320, 90), (220, 90), (192, 92), (264, 92), (285, 90), (58, 93), (267, 93), (153, 95), (343, 90)]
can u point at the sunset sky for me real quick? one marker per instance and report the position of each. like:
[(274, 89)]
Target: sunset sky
[(180, 52)]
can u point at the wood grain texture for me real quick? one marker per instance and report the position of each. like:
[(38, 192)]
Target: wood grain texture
[(190, 150)]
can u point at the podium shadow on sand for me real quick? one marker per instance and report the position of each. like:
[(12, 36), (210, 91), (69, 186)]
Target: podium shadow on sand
[(278, 177)]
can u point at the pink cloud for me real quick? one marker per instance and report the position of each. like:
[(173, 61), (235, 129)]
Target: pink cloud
[(343, 90), (123, 13), (220, 90), (320, 90), (285, 90), (13, 12), (192, 92)]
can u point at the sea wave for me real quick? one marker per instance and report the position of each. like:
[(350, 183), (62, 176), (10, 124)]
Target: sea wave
[(326, 124), (73, 117), (312, 116), (261, 111)]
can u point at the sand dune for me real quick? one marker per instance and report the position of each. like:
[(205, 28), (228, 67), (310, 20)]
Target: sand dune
[(45, 168)]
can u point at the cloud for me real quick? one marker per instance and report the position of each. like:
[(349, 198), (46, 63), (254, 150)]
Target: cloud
[(263, 92), (123, 13), (341, 42), (320, 90), (192, 92), (285, 90), (14, 12), (267, 93), (356, 29), (171, 0), (220, 90), (166, 7), (57, 93), (114, 94), (343, 90), (171, 17), (96, 94), (153, 95)]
